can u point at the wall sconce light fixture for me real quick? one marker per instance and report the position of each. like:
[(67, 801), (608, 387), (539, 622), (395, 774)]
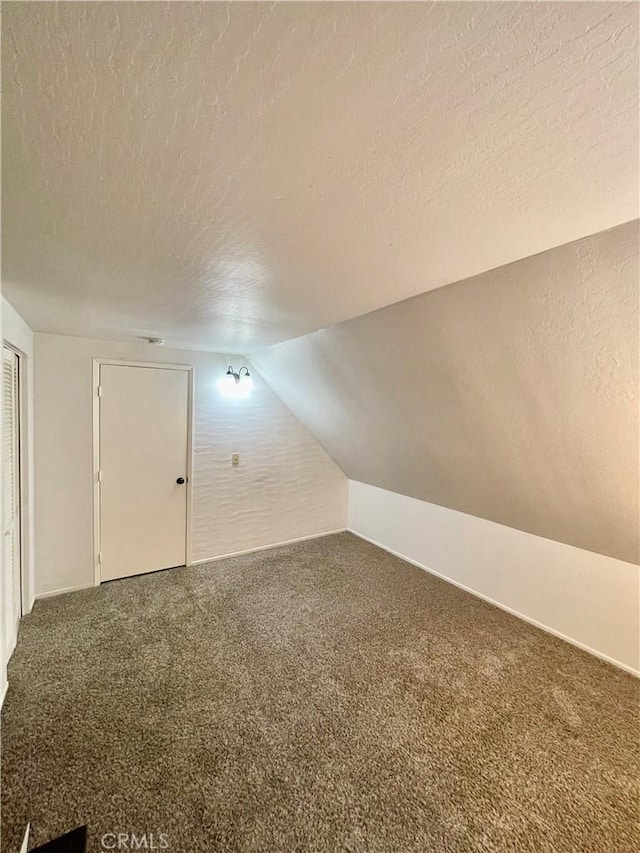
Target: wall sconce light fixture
[(237, 385)]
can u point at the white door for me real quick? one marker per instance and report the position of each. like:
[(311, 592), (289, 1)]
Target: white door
[(143, 446), (11, 499)]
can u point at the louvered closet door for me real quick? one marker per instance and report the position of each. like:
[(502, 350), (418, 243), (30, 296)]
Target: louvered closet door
[(11, 486)]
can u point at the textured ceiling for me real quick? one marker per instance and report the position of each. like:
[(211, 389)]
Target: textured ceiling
[(233, 175), (512, 396)]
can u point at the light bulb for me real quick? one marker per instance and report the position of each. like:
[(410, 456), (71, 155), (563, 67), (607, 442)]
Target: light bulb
[(227, 385), (235, 389), (244, 386)]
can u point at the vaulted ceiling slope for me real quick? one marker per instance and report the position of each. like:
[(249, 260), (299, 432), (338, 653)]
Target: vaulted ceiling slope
[(230, 175), (512, 395)]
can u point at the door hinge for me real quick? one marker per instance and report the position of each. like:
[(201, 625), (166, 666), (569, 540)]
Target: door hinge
[(99, 476), (99, 556), (99, 390)]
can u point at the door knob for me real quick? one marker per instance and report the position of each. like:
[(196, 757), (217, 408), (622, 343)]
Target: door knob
[(180, 481)]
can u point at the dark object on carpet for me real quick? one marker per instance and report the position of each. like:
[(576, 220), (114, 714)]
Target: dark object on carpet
[(71, 842), (324, 696)]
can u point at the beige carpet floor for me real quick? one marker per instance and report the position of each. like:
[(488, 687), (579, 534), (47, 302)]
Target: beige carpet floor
[(324, 696)]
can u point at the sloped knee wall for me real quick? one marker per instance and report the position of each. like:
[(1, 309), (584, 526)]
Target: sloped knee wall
[(511, 396)]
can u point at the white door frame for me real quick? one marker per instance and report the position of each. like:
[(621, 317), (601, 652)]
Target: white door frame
[(97, 362), (23, 462)]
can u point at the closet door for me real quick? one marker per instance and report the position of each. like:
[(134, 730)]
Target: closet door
[(11, 494)]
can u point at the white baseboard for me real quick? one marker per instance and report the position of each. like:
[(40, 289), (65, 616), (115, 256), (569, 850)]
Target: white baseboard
[(268, 547), (497, 604), (52, 592)]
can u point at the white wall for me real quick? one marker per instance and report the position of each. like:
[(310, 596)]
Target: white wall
[(512, 396), (588, 599), (286, 487)]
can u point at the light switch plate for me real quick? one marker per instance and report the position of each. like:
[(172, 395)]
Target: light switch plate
[(235, 459)]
